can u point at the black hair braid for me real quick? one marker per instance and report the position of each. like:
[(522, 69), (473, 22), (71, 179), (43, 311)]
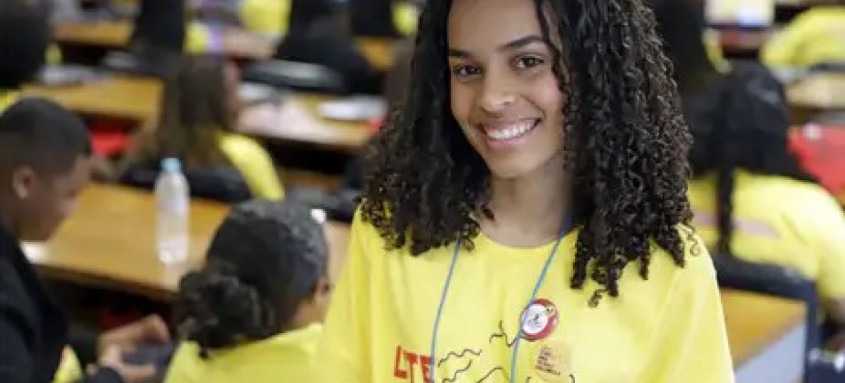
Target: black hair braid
[(217, 310), (724, 207), (265, 260), (749, 131), (625, 143)]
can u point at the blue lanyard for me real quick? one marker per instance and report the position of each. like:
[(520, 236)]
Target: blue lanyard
[(519, 334)]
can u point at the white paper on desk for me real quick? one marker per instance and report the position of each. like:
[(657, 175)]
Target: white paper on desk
[(356, 108), (290, 120)]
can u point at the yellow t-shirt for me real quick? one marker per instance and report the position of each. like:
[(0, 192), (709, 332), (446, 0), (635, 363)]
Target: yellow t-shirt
[(70, 370), (287, 357), (254, 164), (266, 16), (781, 221), (7, 98), (379, 328), (406, 17), (815, 36)]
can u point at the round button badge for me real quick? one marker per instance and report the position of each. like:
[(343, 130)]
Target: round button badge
[(539, 320)]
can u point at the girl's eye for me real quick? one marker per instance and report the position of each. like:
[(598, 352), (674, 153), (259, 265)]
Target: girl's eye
[(527, 62), (465, 71)]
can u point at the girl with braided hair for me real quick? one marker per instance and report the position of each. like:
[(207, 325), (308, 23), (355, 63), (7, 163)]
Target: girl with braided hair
[(524, 215)]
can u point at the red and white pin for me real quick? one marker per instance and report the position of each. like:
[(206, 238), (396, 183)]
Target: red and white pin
[(539, 320)]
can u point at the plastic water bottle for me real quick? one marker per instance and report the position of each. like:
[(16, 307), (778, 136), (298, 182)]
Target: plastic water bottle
[(173, 205)]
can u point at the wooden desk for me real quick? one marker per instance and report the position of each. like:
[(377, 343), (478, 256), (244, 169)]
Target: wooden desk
[(109, 242), (815, 95), (378, 51), (236, 44), (765, 335), (104, 34), (295, 121), (134, 98), (139, 98), (116, 35), (822, 92)]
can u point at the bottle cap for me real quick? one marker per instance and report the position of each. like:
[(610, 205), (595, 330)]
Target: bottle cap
[(171, 165)]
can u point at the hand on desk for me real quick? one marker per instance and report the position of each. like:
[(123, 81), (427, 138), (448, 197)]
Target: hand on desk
[(151, 329), (113, 358), (837, 342)]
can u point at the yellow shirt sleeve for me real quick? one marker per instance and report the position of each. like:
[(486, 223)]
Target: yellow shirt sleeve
[(254, 164), (266, 16), (813, 37), (7, 99), (343, 355), (828, 223), (783, 48), (405, 17), (70, 370), (197, 38), (691, 344)]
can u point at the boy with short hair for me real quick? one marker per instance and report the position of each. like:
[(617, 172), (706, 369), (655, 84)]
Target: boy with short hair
[(45, 162)]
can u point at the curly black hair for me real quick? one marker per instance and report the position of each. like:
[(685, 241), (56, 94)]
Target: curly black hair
[(626, 143), (265, 259)]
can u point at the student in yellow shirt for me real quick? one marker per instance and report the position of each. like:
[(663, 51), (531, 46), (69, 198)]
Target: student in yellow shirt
[(252, 313), (525, 215), (752, 200), (197, 124), (815, 36)]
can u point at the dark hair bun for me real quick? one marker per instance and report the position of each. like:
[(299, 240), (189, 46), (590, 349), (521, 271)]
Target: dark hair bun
[(217, 310)]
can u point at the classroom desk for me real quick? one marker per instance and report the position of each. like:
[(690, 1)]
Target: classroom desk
[(115, 34), (105, 34), (109, 242), (125, 97), (236, 44), (818, 93), (139, 98), (766, 335), (379, 51), (295, 120)]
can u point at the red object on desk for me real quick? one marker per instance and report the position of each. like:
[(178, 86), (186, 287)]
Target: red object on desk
[(109, 138), (821, 151), (377, 123)]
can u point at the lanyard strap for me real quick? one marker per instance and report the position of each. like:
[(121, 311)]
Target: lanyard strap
[(534, 293)]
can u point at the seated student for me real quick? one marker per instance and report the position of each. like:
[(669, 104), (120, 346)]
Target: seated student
[(25, 36), (197, 124), (697, 68), (752, 200), (384, 18), (45, 155), (816, 36), (252, 313), (265, 16), (317, 35)]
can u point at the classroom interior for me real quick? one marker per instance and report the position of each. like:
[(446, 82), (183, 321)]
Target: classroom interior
[(315, 123)]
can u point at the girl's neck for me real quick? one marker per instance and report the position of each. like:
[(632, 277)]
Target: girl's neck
[(530, 210)]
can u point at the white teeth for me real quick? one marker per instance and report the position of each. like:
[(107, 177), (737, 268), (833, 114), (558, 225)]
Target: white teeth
[(507, 132)]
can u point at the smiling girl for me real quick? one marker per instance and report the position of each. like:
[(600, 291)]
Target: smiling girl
[(525, 215)]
